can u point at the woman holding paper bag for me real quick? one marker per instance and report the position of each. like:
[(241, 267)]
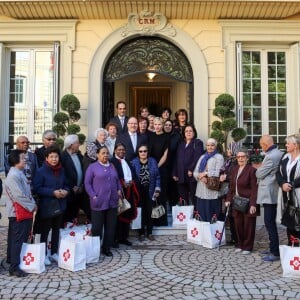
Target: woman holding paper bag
[(243, 183), (209, 165), (104, 189), (288, 178), (18, 190), (147, 172)]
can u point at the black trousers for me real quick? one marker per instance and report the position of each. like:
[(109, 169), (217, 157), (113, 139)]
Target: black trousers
[(122, 232), (105, 220), (55, 224), (19, 233)]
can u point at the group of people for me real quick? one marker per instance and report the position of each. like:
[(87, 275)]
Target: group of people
[(147, 160)]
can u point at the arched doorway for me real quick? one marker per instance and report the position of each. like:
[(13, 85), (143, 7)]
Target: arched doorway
[(181, 40), (138, 57)]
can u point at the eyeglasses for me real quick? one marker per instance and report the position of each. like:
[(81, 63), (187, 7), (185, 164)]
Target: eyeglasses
[(168, 125), (143, 151), (51, 139), (240, 156), (25, 142)]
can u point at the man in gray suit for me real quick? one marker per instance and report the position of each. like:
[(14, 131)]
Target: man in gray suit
[(268, 193)]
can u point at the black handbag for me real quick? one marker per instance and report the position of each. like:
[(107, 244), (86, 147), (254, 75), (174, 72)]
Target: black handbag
[(240, 204), (49, 208), (291, 218)]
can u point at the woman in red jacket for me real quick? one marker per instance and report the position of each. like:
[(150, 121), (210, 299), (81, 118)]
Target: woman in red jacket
[(243, 183)]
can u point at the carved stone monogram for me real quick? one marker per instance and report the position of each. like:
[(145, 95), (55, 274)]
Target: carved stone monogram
[(148, 23)]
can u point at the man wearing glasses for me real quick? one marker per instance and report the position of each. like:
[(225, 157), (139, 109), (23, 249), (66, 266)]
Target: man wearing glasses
[(22, 143), (49, 138)]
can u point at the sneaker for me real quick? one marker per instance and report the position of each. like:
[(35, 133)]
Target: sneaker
[(271, 257), (237, 250), (246, 252), (47, 262), (54, 257)]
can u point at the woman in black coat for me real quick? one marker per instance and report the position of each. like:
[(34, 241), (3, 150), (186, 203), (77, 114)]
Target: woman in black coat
[(188, 153), (126, 175), (288, 178)]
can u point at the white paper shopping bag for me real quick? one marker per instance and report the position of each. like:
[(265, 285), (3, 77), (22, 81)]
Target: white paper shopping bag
[(194, 231), (211, 235), (137, 222), (181, 215), (32, 258), (290, 261), (92, 247), (72, 254)]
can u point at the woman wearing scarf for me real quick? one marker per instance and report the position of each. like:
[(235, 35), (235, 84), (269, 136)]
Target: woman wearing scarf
[(288, 178), (50, 185), (127, 178), (209, 164)]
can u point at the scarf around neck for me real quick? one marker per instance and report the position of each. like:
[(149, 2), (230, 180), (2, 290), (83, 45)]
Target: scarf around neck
[(204, 160), (55, 169)]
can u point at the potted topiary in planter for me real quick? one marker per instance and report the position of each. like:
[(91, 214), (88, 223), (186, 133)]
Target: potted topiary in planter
[(65, 121), (224, 106)]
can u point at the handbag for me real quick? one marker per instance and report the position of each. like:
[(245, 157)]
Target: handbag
[(123, 204), (49, 208), (213, 183), (240, 203), (157, 211), (21, 212), (291, 215)]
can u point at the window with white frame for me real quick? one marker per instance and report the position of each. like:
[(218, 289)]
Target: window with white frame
[(32, 102), (263, 93)]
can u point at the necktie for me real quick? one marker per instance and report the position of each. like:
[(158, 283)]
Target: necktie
[(122, 122)]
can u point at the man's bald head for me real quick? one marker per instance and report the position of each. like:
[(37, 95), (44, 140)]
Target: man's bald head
[(266, 141)]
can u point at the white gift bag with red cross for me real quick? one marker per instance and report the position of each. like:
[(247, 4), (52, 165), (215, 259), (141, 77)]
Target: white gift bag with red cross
[(212, 234), (181, 215), (194, 231), (72, 254), (290, 261), (32, 258)]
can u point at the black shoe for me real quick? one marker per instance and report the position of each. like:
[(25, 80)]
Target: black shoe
[(125, 242), (108, 253), (18, 273)]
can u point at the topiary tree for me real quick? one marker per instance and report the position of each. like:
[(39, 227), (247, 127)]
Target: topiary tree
[(224, 106), (65, 121)]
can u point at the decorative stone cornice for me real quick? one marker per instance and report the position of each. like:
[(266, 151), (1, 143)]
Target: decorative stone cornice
[(148, 23)]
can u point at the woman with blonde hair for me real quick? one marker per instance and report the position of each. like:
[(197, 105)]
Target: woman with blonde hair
[(288, 178)]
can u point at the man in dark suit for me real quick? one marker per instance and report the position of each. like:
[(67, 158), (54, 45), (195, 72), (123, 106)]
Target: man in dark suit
[(71, 160), (120, 119), (131, 139)]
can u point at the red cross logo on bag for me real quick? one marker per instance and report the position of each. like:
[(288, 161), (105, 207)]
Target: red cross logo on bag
[(218, 235), (295, 263), (67, 255), (72, 233), (28, 259), (194, 232), (181, 216)]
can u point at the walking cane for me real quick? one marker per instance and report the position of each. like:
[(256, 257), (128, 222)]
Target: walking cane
[(223, 229)]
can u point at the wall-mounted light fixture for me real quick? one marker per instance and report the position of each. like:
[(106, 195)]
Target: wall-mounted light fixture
[(151, 76)]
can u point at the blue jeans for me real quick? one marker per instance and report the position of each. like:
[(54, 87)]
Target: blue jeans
[(270, 211)]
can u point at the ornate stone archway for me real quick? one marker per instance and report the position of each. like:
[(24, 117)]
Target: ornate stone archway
[(175, 36)]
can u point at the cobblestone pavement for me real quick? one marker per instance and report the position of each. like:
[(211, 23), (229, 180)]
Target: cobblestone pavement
[(167, 268)]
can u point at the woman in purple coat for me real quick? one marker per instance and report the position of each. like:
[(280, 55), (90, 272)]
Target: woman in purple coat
[(104, 189), (188, 153)]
